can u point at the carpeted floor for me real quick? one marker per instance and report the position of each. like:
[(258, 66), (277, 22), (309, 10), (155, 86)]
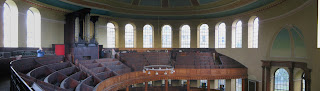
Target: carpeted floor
[(5, 83)]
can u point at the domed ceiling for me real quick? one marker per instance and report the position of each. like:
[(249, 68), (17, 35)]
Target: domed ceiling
[(161, 9)]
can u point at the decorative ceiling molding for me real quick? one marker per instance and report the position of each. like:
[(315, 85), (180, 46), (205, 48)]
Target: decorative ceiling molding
[(217, 12)]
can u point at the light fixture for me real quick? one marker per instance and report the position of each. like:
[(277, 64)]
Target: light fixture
[(158, 68)]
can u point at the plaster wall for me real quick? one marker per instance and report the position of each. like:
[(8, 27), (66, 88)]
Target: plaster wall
[(300, 13)]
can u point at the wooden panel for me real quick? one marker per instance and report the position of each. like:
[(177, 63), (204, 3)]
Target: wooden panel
[(122, 81)]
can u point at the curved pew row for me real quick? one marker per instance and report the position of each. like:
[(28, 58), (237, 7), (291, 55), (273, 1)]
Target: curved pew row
[(89, 83), (43, 71), (57, 77), (72, 81), (53, 73)]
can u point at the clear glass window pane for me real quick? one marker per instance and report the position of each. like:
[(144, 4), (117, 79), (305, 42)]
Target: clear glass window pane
[(147, 36), (221, 41), (129, 36), (238, 84), (238, 35), (111, 35), (185, 36), (33, 28), (166, 36), (6, 25), (204, 36), (255, 33), (281, 80)]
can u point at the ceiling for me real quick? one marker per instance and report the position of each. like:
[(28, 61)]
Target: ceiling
[(161, 9)]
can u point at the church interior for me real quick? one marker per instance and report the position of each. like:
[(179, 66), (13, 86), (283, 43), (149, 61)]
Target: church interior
[(159, 45)]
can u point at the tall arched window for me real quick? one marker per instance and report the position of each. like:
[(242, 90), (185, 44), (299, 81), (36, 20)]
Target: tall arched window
[(238, 84), (33, 28), (147, 36), (253, 32), (281, 80), (303, 83), (237, 34), (111, 35), (204, 36), (129, 36), (221, 36), (166, 36), (10, 23), (185, 36)]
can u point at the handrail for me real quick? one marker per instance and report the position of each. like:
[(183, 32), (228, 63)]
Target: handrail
[(19, 77), (121, 81)]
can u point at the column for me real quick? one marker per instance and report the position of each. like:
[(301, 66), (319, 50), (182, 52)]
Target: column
[(208, 85), (291, 83), (166, 84), (245, 84), (188, 85), (227, 86), (127, 89), (307, 79), (267, 78), (145, 86), (263, 78)]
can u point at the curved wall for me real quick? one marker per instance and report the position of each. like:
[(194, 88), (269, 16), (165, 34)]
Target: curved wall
[(300, 13)]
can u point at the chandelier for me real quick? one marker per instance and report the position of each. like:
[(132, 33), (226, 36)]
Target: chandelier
[(158, 68)]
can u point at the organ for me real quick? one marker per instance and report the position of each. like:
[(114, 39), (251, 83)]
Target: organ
[(79, 34)]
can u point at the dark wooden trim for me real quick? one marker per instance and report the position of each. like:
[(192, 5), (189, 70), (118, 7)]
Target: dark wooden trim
[(188, 85), (145, 86), (245, 84), (166, 84), (267, 64), (291, 82), (263, 78), (257, 86), (267, 78)]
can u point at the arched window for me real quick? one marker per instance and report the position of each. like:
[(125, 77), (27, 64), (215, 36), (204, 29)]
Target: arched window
[(185, 36), (253, 32), (204, 36), (221, 36), (147, 36), (237, 34), (281, 80), (10, 23), (303, 83), (129, 36), (238, 84), (33, 28), (222, 82), (111, 35), (166, 36)]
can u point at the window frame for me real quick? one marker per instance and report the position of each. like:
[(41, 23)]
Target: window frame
[(150, 35), (167, 44), (203, 31), (33, 31), (274, 82), (10, 23), (113, 35), (185, 36), (220, 38), (253, 32), (237, 34)]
